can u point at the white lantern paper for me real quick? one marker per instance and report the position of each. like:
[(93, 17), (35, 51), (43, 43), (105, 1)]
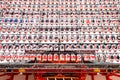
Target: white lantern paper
[(44, 57), (79, 57), (73, 57), (56, 57), (92, 57), (32, 57), (39, 57), (86, 57), (67, 57), (8, 57), (27, 57), (62, 57), (50, 57), (15, 57)]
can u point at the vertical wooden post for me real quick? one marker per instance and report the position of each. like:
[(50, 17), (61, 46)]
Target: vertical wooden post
[(12, 76), (92, 76), (26, 78), (108, 76), (38, 76)]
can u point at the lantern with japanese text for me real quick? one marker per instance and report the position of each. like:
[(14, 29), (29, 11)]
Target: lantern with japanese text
[(79, 58), (50, 57), (86, 57), (32, 57), (73, 57), (44, 57), (39, 57), (56, 57), (62, 57), (67, 57)]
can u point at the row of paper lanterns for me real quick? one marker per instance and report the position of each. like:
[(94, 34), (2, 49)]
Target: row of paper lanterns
[(48, 57), (31, 46), (62, 57), (65, 36)]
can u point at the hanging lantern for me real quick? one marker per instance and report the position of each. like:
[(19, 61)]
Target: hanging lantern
[(15, 57), (26, 57), (97, 70), (67, 57), (39, 57), (92, 57), (2, 57), (32, 57), (79, 58), (107, 57), (114, 57), (50, 57), (44, 57), (8, 57), (21, 70), (56, 57), (86, 57), (62, 57), (73, 57)]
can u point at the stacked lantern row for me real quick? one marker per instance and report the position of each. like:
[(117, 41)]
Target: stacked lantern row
[(111, 57), (35, 29), (44, 46), (61, 2), (63, 20), (61, 5), (59, 25), (48, 37)]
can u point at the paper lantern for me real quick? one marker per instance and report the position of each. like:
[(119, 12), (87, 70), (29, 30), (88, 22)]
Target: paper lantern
[(39, 57), (86, 57), (62, 57), (56, 57), (26, 57), (73, 57), (32, 57), (15, 57), (96, 70), (92, 57), (79, 58), (2, 57), (67, 57), (8, 57), (21, 70), (44, 57), (50, 57)]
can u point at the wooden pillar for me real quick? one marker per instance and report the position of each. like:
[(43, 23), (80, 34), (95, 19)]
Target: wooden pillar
[(108, 77), (26, 78), (82, 77), (38, 76), (79, 76), (11, 76), (92, 76)]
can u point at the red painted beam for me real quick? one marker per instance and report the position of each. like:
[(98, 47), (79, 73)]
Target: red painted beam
[(114, 74), (3, 74)]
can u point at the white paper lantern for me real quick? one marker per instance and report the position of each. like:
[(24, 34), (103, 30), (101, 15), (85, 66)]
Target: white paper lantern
[(44, 57), (79, 58), (39, 57), (56, 57), (67, 57), (50, 57), (73, 57)]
